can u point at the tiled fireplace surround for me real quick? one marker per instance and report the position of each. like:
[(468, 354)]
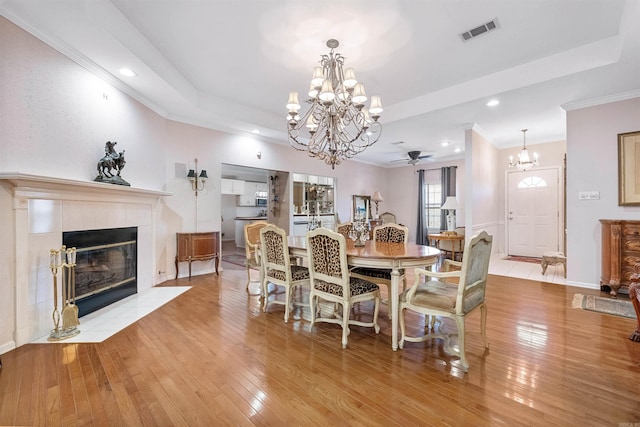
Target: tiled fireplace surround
[(46, 207)]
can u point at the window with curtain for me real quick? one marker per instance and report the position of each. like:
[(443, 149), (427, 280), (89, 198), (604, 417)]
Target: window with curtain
[(432, 188)]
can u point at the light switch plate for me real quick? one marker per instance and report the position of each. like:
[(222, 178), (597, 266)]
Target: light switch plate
[(588, 195)]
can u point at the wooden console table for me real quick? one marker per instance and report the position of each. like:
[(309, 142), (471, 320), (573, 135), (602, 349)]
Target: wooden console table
[(455, 239), (197, 247), (620, 252)]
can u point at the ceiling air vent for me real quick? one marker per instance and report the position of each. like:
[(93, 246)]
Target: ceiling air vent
[(475, 32)]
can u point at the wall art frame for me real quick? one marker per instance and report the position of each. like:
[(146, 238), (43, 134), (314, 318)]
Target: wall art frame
[(629, 169)]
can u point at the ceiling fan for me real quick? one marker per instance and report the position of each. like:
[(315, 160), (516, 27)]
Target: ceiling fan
[(414, 157)]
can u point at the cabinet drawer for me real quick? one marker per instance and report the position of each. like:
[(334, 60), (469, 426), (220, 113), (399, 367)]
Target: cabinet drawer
[(631, 230), (629, 261), (631, 245)]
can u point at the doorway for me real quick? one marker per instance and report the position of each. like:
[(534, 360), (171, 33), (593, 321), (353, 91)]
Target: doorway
[(533, 212)]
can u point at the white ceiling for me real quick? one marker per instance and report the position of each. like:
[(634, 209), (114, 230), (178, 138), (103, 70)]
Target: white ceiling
[(229, 65)]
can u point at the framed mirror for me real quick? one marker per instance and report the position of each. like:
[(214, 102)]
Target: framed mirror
[(361, 207)]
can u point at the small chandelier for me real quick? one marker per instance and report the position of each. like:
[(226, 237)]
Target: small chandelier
[(524, 161), (338, 125)]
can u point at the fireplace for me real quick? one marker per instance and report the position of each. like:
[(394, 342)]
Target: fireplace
[(106, 266), (44, 209)]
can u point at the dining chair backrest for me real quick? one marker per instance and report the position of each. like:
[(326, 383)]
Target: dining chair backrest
[(391, 232), (474, 271), (345, 229), (388, 217), (252, 238), (327, 258), (275, 253)]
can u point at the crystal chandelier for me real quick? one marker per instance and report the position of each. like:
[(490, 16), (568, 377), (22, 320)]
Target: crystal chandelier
[(337, 126), (524, 161)]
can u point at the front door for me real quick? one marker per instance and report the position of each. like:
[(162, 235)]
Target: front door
[(533, 212)]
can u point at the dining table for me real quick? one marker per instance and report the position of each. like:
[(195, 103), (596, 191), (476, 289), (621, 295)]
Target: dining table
[(381, 255)]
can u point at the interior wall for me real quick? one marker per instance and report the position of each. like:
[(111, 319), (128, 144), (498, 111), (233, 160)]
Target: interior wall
[(592, 165), (481, 158), (7, 269)]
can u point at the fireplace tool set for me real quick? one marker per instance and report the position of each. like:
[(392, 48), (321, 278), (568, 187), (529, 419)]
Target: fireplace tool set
[(64, 259)]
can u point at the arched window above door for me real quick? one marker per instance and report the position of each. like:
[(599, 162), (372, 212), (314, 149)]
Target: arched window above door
[(532, 182)]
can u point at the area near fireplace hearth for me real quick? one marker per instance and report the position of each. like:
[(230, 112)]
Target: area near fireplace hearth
[(45, 208)]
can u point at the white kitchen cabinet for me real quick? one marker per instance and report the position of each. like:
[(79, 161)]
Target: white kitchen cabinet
[(248, 197), (231, 186)]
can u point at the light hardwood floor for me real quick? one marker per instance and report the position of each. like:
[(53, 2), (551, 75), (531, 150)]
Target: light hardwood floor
[(212, 357)]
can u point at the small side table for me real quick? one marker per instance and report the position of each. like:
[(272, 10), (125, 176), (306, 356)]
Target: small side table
[(454, 238), (554, 258)]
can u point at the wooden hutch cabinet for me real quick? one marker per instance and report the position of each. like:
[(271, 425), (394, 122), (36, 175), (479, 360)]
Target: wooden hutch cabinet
[(620, 252), (197, 247)]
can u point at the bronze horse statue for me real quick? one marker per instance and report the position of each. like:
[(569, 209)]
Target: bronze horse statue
[(111, 160)]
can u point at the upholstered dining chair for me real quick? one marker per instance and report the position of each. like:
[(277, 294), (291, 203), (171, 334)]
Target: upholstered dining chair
[(251, 245), (388, 218), (278, 269), (331, 281), (434, 294), (384, 233), (344, 229)]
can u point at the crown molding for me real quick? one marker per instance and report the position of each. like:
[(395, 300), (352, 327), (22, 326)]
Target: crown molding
[(577, 105)]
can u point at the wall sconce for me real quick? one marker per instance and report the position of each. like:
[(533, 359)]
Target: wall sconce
[(197, 181), (377, 198)]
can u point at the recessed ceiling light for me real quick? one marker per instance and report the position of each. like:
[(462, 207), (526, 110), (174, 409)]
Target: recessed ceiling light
[(256, 131), (127, 72), (457, 150), (444, 143), (493, 103)]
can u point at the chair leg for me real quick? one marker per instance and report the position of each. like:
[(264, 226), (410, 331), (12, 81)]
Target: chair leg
[(265, 293), (313, 302), (463, 358), (248, 277), (287, 303), (483, 324), (376, 308), (249, 282), (402, 328), (345, 324)]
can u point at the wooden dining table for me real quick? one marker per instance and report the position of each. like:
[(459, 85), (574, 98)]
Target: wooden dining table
[(382, 255)]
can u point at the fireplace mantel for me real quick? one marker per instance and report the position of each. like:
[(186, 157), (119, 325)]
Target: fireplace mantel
[(46, 207), (32, 186)]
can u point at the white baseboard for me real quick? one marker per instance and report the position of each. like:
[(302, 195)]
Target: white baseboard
[(8, 346)]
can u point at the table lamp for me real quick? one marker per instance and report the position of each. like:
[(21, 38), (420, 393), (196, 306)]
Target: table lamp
[(450, 204), (377, 198)]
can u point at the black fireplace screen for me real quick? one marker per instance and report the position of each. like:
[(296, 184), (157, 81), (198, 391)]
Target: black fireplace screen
[(106, 266)]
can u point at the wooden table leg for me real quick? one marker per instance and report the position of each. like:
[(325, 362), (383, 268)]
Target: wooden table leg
[(393, 306)]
